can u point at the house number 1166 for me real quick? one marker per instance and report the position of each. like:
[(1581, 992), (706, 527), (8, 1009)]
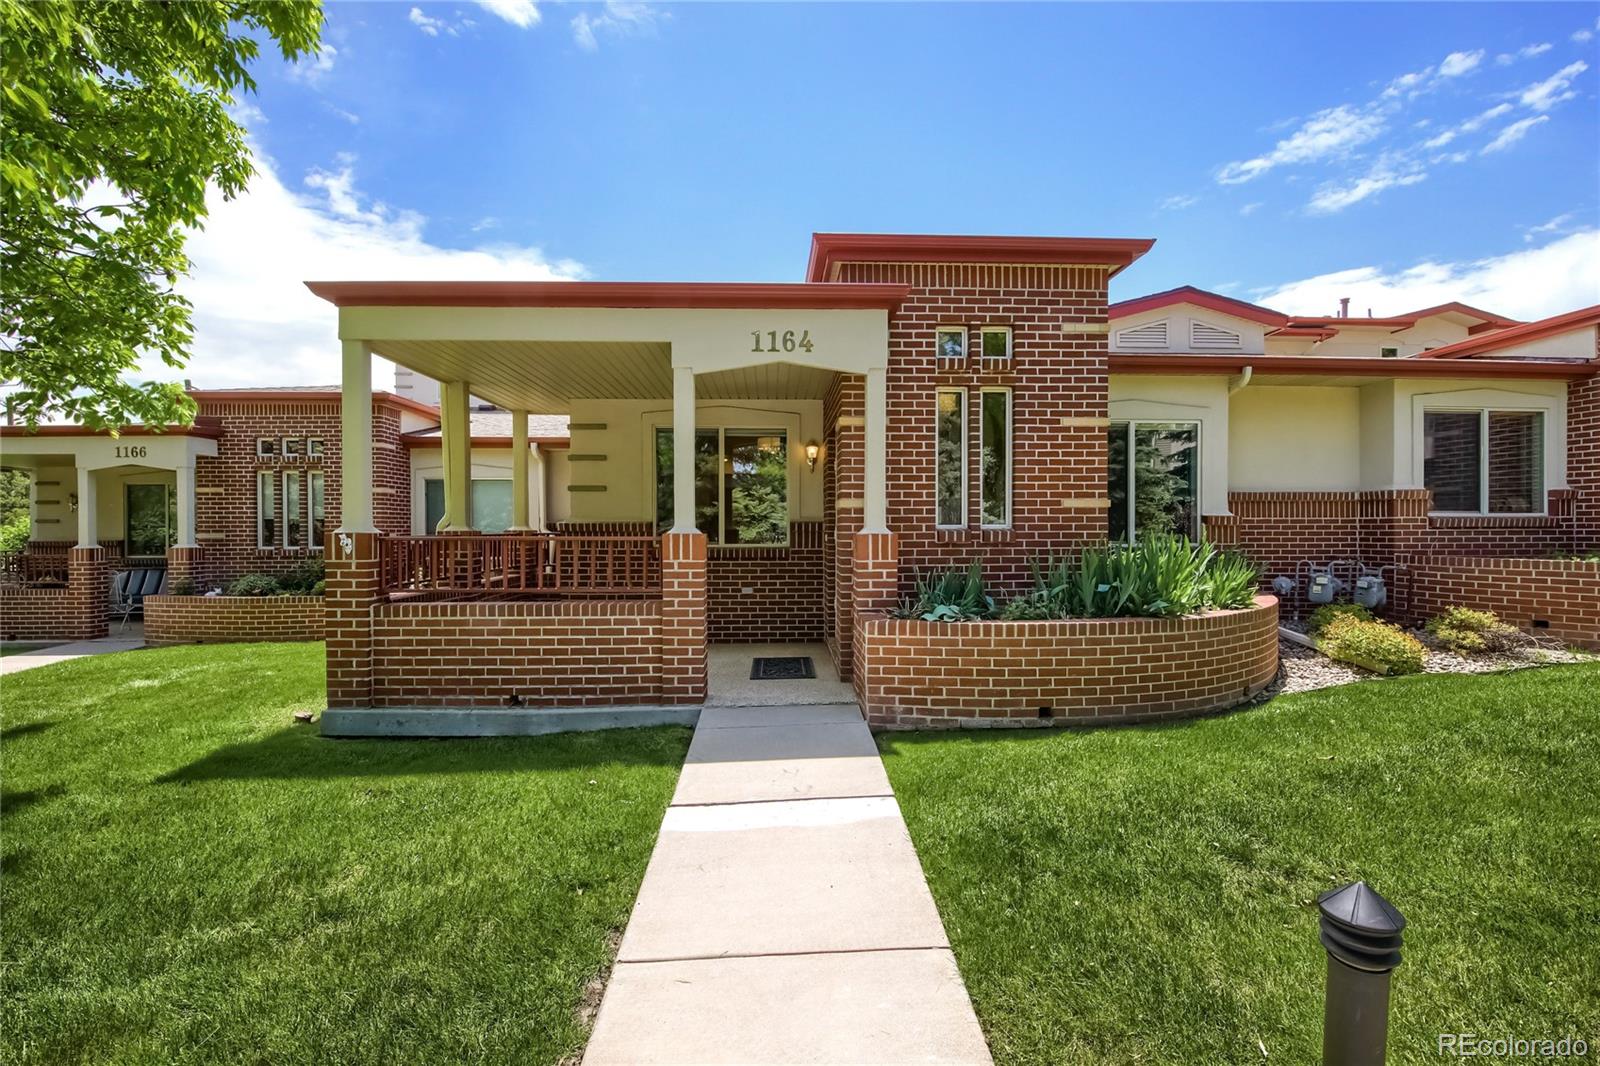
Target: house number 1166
[(787, 341)]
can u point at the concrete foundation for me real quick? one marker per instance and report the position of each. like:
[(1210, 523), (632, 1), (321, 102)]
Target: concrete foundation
[(495, 722)]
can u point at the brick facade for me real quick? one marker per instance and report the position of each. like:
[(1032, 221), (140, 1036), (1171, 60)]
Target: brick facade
[(231, 619), (1547, 597), (920, 675), (354, 587), (767, 595), (683, 618)]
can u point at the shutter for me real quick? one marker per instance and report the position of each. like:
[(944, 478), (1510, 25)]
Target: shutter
[(1150, 337), (1208, 338)]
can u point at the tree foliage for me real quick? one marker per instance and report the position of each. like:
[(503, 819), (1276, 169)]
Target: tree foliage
[(114, 121)]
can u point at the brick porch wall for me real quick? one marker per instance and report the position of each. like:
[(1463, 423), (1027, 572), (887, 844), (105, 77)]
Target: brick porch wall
[(231, 619), (920, 675), (74, 612), (767, 594), (1547, 597)]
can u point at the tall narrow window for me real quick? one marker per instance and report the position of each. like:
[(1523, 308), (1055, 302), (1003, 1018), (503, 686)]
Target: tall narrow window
[(319, 511), (266, 510), (994, 445), (1484, 462), (1450, 441), (432, 505), (292, 521), (1154, 470), (950, 458), (1515, 462), (755, 488), (150, 514)]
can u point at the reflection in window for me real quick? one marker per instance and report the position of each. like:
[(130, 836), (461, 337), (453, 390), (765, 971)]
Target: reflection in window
[(151, 515), (1154, 471), (319, 513), (995, 448), (489, 504), (291, 509), (266, 510), (950, 457), (1484, 462), (741, 485)]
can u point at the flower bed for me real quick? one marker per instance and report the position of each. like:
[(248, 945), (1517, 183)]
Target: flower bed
[(1546, 597), (919, 675), (231, 619)]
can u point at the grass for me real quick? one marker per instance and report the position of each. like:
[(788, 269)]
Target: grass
[(1145, 895), (191, 877), (17, 647)]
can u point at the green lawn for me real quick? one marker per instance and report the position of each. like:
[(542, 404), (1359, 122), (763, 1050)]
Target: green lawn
[(191, 877), (1144, 895)]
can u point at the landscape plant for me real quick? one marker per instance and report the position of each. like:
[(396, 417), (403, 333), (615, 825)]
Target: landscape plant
[(1324, 616), (1461, 629), (1373, 645), (954, 595), (255, 585), (1159, 575)]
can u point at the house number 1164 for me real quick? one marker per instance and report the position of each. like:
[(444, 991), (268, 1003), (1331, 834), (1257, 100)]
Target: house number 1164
[(787, 341)]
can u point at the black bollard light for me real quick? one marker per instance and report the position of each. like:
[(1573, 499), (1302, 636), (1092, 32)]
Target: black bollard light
[(1361, 932)]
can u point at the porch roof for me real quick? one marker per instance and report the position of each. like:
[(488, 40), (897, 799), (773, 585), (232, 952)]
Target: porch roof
[(684, 294)]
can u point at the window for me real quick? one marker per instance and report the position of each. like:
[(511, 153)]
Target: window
[(950, 343), (741, 485), (1484, 462), (950, 458), (291, 447), (996, 341), (151, 517), (1389, 353), (266, 447), (266, 509), (1154, 473), (488, 504), (314, 447), (319, 513), (994, 450), (292, 523)]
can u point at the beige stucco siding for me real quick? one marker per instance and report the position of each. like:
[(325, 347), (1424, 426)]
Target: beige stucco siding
[(487, 463), (1294, 438), (1183, 398)]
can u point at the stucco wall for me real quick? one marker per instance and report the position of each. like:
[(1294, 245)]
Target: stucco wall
[(1183, 398), (1292, 437), (1179, 319)]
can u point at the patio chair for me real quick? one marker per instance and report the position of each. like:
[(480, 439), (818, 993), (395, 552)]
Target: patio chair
[(130, 587)]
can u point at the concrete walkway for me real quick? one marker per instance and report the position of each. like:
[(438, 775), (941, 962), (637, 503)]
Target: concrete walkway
[(784, 917), (127, 640)]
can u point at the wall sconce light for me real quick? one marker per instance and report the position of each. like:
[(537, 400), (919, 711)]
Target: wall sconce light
[(813, 449)]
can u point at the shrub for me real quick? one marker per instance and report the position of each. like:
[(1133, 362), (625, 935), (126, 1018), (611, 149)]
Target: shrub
[(1464, 630), (255, 585), (1323, 616), (1027, 609), (15, 531), (304, 577), (184, 586), (320, 588), (1374, 645), (948, 596), (1160, 575)]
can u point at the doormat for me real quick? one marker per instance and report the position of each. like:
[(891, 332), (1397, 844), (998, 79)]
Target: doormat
[(782, 668)]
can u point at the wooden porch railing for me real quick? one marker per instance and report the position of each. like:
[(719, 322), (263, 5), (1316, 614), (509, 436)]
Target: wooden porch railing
[(534, 564)]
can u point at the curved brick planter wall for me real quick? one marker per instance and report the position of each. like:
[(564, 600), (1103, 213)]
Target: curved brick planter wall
[(231, 619), (1551, 597), (542, 653), (919, 675)]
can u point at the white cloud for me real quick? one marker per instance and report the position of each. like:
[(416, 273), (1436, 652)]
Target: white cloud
[(1458, 63), (1555, 225), (1250, 208), (1178, 202), (1471, 125), (256, 323), (1387, 173), (1427, 79), (339, 112), (428, 25), (618, 18), (487, 222), (312, 69), (1332, 132), (1528, 283), (1583, 36), (1505, 59), (1543, 95), (522, 14), (1513, 133)]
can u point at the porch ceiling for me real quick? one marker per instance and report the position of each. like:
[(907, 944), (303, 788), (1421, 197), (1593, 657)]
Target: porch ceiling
[(769, 381), (541, 376)]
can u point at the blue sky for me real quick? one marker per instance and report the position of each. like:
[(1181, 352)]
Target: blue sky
[(1289, 152)]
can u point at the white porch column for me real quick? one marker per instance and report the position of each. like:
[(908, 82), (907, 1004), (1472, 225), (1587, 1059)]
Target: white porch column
[(185, 484), (874, 508), (683, 449), (88, 532), (455, 429), (519, 470), (355, 440)]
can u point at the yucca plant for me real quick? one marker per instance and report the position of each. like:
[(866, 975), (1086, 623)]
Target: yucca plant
[(1231, 581), (948, 596)]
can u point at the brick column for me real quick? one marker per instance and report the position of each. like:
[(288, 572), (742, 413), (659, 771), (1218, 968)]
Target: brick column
[(874, 582), (1221, 529), (184, 564), (683, 617), (88, 594), (1394, 530), (354, 588), (847, 461)]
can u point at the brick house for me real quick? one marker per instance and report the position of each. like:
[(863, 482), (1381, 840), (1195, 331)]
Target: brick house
[(778, 463)]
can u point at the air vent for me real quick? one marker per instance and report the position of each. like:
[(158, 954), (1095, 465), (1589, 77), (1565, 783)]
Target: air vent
[(1208, 338), (1150, 337)]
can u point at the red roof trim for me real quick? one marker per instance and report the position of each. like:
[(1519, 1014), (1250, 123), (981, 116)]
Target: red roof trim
[(270, 395), (1355, 366), (653, 294), (1528, 331), (1456, 307), (828, 250), (1314, 332), (1188, 294), (208, 428)]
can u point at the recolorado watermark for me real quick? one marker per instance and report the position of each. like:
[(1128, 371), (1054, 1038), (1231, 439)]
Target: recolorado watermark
[(1474, 1046)]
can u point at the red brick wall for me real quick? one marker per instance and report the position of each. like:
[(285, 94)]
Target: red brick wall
[(842, 486), (1583, 459), (231, 619), (225, 486), (916, 675), (1057, 375), (1562, 594), (35, 614), (533, 653), (767, 594), (1279, 529), (683, 664)]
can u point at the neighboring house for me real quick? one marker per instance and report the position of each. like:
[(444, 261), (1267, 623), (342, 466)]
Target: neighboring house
[(780, 462)]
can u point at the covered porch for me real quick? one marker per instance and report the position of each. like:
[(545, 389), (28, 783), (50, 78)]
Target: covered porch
[(725, 469)]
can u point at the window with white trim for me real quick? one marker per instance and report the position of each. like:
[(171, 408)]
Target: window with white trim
[(995, 343), (314, 447), (293, 523), (1484, 461), (1389, 353), (266, 509), (994, 457), (1154, 474), (950, 458), (266, 447), (741, 485), (291, 447), (488, 504), (950, 344), (317, 482)]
